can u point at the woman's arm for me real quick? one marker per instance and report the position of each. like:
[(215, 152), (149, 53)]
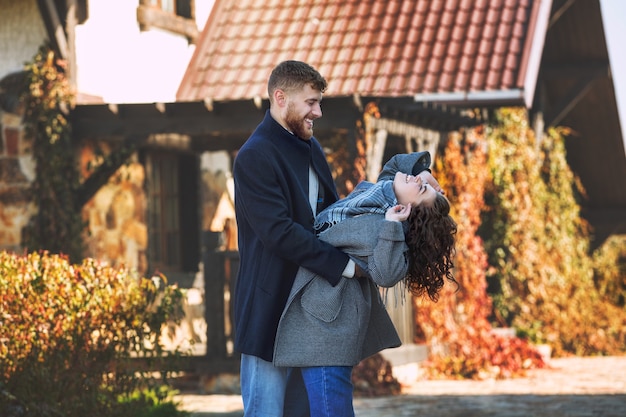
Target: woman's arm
[(376, 244), (388, 263), (409, 163)]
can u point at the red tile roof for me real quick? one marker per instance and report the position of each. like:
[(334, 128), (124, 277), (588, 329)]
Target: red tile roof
[(384, 48)]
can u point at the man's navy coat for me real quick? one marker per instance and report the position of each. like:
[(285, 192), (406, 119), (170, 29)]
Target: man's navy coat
[(275, 230)]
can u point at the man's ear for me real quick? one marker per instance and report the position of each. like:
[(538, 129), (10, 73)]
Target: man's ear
[(280, 98)]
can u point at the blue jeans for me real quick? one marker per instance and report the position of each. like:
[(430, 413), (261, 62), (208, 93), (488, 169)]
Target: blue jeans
[(270, 391), (330, 390)]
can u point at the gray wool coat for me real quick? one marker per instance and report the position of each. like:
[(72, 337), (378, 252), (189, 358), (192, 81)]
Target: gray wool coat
[(323, 325)]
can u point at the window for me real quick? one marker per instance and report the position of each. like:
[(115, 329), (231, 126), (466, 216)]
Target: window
[(177, 16), (173, 228), (182, 8), (165, 5), (164, 215)]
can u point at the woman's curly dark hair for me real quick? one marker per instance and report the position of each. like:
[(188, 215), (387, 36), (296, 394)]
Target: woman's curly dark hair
[(430, 237)]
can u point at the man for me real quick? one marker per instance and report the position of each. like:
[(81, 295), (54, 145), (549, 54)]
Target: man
[(282, 180)]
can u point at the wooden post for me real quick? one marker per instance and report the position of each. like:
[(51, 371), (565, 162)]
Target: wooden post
[(213, 260), (232, 260)]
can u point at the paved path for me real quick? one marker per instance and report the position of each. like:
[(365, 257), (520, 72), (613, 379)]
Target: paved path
[(573, 387)]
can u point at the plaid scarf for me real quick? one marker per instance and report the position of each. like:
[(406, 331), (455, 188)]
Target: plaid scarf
[(366, 198)]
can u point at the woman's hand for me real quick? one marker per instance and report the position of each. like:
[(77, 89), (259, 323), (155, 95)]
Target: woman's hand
[(398, 213)]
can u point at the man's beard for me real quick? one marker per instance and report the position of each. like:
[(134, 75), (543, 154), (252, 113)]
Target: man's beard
[(296, 125)]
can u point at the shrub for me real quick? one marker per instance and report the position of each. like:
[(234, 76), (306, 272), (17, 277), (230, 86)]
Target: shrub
[(69, 333), (373, 377)]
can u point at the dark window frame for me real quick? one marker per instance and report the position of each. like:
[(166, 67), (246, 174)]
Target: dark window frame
[(173, 214)]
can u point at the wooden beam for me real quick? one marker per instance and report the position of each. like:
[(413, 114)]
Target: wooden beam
[(215, 125), (149, 17), (575, 69), (200, 118), (560, 12), (101, 121), (55, 29), (575, 94)]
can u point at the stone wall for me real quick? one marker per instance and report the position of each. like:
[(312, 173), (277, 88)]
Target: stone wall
[(17, 171), (116, 217), (117, 229)]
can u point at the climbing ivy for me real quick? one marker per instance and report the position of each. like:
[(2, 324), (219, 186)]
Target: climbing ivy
[(462, 341), (523, 258), (57, 225), (541, 270)]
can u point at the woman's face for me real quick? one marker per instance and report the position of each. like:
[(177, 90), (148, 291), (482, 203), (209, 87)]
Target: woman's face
[(412, 190)]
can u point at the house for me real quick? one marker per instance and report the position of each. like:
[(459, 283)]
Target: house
[(401, 75), (117, 51), (413, 56)]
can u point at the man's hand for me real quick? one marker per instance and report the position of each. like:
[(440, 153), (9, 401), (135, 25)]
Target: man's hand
[(428, 177)]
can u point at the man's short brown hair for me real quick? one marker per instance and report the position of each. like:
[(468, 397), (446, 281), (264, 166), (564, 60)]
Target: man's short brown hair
[(293, 75)]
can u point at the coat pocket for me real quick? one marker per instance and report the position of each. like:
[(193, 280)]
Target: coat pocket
[(322, 300)]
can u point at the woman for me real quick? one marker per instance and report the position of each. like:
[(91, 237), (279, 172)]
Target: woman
[(397, 229)]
